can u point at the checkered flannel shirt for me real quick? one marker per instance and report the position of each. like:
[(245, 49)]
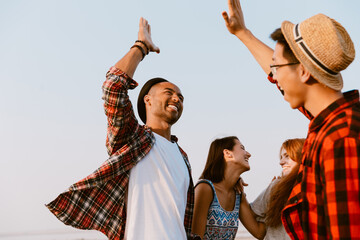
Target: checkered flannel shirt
[(98, 201), (325, 200)]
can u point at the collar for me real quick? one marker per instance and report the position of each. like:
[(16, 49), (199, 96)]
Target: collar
[(173, 138), (350, 98)]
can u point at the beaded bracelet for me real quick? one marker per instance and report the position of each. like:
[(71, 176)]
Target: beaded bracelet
[(147, 48), (141, 49)]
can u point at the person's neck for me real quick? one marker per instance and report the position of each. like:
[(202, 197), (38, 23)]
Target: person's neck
[(231, 176), (161, 128), (319, 98)]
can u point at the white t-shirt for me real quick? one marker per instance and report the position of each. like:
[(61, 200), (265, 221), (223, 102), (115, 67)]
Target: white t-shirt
[(157, 194)]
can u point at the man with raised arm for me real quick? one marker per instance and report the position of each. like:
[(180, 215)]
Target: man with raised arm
[(145, 189), (306, 66)]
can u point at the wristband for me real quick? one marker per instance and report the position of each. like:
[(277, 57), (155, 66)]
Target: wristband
[(141, 49), (147, 48)]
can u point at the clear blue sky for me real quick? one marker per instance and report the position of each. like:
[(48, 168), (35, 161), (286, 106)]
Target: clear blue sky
[(53, 60)]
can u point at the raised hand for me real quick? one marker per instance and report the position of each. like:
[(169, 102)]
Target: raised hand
[(235, 19), (145, 35), (235, 23)]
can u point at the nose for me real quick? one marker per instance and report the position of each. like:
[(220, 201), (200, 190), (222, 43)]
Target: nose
[(248, 154), (175, 98), (282, 161), (274, 77)]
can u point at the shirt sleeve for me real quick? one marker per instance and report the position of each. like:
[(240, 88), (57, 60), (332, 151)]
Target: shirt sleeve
[(340, 176), (259, 205), (122, 122)]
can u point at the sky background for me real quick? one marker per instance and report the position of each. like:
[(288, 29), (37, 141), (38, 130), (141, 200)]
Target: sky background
[(53, 60)]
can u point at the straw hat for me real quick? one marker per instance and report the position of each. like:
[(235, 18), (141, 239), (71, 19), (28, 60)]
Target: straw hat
[(323, 46)]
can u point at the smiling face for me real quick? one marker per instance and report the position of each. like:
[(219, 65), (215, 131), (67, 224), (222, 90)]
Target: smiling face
[(238, 155), (288, 78), (164, 102), (286, 162)]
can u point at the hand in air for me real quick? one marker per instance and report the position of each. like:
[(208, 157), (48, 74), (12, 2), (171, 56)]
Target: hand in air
[(145, 35), (235, 19)]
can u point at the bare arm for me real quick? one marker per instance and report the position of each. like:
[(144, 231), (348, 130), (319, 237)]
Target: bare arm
[(235, 23), (203, 198), (248, 219), (131, 60)]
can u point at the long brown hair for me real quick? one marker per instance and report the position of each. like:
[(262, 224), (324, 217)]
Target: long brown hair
[(280, 191), (215, 164)]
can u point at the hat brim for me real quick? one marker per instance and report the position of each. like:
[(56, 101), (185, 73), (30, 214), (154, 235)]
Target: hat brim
[(332, 81)]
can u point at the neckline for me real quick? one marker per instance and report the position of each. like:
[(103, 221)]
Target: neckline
[(217, 199), (161, 137)]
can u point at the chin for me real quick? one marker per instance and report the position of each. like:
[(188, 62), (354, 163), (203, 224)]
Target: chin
[(294, 106), (172, 121)]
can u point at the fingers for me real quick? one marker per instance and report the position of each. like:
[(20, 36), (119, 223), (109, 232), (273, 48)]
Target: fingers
[(237, 4), (156, 49), (143, 23), (145, 35), (231, 6), (226, 17)]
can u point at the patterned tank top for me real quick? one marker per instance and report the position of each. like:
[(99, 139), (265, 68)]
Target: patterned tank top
[(221, 224)]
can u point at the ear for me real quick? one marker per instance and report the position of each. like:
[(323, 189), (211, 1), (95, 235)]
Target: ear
[(227, 153), (147, 100), (305, 75)]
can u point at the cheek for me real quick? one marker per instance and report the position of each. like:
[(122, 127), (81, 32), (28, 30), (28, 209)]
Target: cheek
[(292, 164)]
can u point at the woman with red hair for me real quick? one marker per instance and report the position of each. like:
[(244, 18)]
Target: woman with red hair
[(269, 204)]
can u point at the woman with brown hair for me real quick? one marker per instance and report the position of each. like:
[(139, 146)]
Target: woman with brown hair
[(218, 206), (269, 204)]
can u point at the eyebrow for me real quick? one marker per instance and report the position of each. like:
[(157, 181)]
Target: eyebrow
[(172, 90)]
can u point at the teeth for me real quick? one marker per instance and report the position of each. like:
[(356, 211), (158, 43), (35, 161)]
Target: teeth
[(173, 107)]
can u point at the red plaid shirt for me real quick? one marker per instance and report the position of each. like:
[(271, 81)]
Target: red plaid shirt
[(325, 201), (98, 201)]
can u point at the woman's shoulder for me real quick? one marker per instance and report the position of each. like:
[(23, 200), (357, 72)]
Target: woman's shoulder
[(204, 188)]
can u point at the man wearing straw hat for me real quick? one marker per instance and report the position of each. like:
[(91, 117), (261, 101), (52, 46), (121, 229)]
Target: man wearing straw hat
[(145, 189), (306, 66)]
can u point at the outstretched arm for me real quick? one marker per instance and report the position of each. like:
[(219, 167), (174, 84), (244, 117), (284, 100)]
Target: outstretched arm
[(131, 60), (235, 23), (119, 111)]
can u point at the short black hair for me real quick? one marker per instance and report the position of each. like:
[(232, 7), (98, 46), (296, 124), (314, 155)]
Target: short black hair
[(279, 37), (144, 91)]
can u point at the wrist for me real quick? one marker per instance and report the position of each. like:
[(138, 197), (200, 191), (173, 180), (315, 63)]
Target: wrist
[(244, 34), (144, 45), (139, 49)]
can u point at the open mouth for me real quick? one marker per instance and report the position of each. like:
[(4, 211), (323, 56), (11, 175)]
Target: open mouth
[(281, 90), (175, 108)]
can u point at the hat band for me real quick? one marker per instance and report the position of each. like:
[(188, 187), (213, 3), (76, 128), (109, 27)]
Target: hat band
[(300, 41)]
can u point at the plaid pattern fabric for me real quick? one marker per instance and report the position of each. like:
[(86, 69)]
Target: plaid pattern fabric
[(98, 201), (325, 201)]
